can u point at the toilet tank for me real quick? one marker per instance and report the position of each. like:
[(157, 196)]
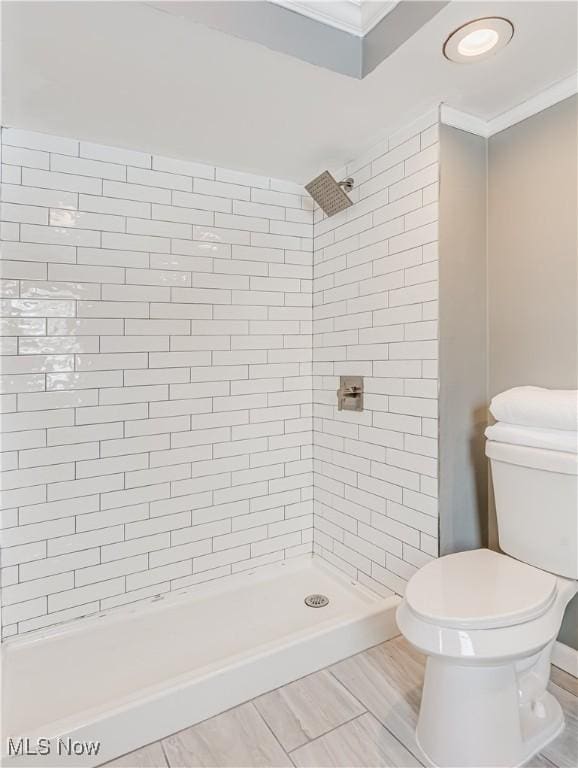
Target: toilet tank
[(536, 495)]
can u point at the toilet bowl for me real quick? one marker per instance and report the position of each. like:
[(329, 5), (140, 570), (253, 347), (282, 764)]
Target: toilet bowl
[(487, 624), (487, 621)]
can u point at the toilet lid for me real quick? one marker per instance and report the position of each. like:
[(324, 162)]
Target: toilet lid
[(479, 589)]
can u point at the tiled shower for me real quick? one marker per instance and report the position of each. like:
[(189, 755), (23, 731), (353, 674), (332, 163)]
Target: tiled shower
[(174, 335)]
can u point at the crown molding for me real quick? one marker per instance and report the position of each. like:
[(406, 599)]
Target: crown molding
[(464, 121), (486, 128), (356, 17), (547, 98)]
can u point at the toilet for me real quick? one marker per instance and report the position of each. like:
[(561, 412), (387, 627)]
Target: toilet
[(487, 621)]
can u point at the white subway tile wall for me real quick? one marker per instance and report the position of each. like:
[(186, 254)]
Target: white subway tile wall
[(156, 376), (375, 290), (158, 367)]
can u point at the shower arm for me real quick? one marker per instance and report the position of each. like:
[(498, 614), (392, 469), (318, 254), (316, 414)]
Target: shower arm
[(347, 184)]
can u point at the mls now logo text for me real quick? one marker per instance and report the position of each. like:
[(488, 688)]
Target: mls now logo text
[(71, 747)]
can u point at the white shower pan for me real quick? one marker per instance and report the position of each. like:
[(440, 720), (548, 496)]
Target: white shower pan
[(130, 676)]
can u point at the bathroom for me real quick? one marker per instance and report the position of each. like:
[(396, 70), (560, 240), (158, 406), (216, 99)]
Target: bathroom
[(289, 381)]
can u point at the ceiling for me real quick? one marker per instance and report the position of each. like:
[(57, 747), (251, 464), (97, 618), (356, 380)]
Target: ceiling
[(127, 74)]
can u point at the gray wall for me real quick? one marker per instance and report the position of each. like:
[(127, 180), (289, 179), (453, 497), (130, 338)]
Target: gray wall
[(463, 361), (532, 261), (508, 298)]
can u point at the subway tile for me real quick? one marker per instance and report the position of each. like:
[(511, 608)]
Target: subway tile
[(11, 174), (184, 167), (111, 361), (59, 617), (157, 277), (43, 401), (131, 242), (24, 610), (38, 457), (111, 257), (83, 595), (17, 137), (106, 222), (221, 189), (201, 202), (66, 182), (22, 326), (183, 215), (36, 308), (110, 413), (33, 252), (114, 155), (25, 214), (73, 488), (17, 422), (276, 197), (217, 559), (38, 513), (57, 235), (159, 228), (159, 179), (105, 518), (141, 293), (55, 565), (159, 574), (23, 553), (79, 541), (19, 270), (84, 327), (135, 495), (86, 167), (134, 343), (211, 236), (261, 210), (93, 574), (35, 196), (110, 466), (130, 191), (177, 553), (111, 205), (62, 290), (134, 547)]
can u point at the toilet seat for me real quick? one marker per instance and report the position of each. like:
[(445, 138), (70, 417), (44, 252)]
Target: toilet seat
[(478, 590)]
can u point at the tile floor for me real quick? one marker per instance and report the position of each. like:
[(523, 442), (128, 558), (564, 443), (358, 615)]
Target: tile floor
[(359, 712)]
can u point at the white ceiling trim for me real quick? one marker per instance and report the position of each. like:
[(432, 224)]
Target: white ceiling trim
[(357, 17), (546, 98), (464, 121)]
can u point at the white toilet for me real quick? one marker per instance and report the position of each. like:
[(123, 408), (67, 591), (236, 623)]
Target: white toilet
[(488, 621)]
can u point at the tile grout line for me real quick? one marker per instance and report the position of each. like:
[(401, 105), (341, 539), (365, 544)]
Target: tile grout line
[(331, 730), (405, 746), (271, 731)]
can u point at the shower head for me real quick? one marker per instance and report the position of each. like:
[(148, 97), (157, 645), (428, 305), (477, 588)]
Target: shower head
[(329, 194)]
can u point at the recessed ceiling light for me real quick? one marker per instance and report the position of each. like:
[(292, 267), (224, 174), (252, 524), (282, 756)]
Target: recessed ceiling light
[(478, 39)]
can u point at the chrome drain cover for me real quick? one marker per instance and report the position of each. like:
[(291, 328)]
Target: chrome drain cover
[(316, 601)]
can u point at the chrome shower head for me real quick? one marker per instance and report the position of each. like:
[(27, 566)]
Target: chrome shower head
[(329, 194)]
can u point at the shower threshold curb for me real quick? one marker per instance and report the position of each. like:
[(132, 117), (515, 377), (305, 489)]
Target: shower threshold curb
[(155, 712)]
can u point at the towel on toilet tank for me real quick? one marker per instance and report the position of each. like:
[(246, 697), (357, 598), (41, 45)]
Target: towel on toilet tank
[(537, 407), (533, 437)]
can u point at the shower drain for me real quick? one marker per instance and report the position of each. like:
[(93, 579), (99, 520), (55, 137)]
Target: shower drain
[(316, 601)]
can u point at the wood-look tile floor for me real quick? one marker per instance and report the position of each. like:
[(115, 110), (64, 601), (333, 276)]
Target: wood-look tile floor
[(359, 713)]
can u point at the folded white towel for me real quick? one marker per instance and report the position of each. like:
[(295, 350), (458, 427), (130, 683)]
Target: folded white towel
[(537, 407), (533, 437)]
